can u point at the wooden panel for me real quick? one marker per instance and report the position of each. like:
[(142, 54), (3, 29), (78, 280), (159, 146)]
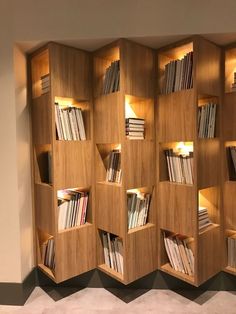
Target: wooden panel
[(137, 69), (109, 122), (177, 208), (75, 252), (141, 255), (111, 212), (44, 209), (41, 120), (138, 168), (208, 161), (176, 116), (228, 117), (229, 204), (70, 70), (207, 57), (73, 164), (209, 254)]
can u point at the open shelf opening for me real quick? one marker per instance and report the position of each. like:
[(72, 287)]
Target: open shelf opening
[(208, 117), (107, 70), (208, 209), (175, 68), (230, 70), (109, 163), (43, 164), (74, 208), (177, 254), (46, 252), (176, 162), (230, 150), (40, 74), (139, 117), (73, 119), (231, 250)]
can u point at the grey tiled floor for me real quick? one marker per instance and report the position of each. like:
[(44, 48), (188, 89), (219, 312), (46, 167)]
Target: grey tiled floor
[(91, 300)]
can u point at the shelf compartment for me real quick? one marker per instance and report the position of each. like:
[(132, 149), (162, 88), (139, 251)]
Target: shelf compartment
[(41, 113), (72, 71), (209, 254), (229, 190), (111, 209), (230, 172), (166, 268), (111, 272), (39, 68), (176, 116), (138, 170), (109, 115), (75, 252), (142, 108), (208, 161), (44, 208), (230, 68), (228, 114), (85, 107), (43, 164), (177, 213), (47, 271), (73, 163), (102, 156)]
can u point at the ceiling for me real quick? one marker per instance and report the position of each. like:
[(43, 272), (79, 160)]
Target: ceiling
[(153, 42)]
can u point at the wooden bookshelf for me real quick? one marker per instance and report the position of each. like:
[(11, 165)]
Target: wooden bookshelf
[(71, 163), (135, 98), (176, 121), (229, 140)]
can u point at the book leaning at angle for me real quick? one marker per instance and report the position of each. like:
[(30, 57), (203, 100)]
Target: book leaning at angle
[(48, 253), (114, 166)]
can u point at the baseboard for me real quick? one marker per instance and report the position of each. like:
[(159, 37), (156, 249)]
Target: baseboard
[(17, 293)]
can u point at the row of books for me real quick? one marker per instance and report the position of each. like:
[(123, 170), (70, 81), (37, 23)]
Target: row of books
[(179, 253), (69, 123), (206, 121), (138, 206), (111, 81), (48, 253), (134, 128), (114, 166), (203, 218), (45, 84), (232, 251), (113, 251), (72, 208), (180, 167), (231, 159), (178, 74)]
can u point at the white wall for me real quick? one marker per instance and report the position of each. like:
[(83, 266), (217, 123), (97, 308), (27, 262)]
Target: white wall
[(28, 20)]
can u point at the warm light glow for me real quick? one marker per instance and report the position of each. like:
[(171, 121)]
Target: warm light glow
[(129, 113), (118, 147), (184, 148), (64, 102), (137, 191)]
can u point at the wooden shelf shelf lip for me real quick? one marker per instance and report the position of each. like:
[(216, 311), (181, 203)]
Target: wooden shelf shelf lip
[(47, 271), (49, 185), (230, 270), (137, 229), (176, 183), (209, 228), (86, 225), (110, 183), (169, 270), (111, 272), (177, 92)]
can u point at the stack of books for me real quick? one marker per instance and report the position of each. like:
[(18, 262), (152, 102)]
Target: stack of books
[(232, 251), (180, 167), (206, 121), (72, 208), (69, 123), (134, 128), (138, 206), (48, 253), (233, 87), (203, 218), (113, 252), (178, 74), (179, 253), (114, 170), (45, 84), (111, 81), (231, 159)]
